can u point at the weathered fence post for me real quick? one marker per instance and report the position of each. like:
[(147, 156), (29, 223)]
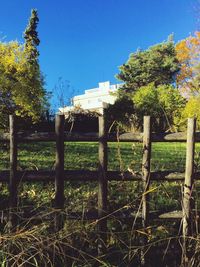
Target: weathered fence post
[(146, 160), (59, 168), (13, 183), (102, 185), (189, 173)]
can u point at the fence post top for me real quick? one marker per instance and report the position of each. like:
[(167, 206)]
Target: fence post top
[(12, 116), (60, 115), (146, 118), (192, 119)]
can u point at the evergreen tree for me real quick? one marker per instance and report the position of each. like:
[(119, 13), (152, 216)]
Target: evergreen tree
[(148, 75), (35, 81), (31, 37), (157, 64), (22, 89)]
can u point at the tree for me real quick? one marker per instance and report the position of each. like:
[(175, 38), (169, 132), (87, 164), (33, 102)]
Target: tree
[(121, 114), (192, 110), (188, 54), (35, 80), (188, 79), (163, 102), (157, 64), (145, 71), (21, 83), (63, 93), (31, 38)]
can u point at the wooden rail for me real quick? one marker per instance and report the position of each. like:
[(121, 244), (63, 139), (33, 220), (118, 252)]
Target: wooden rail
[(102, 175), (91, 176), (94, 137)]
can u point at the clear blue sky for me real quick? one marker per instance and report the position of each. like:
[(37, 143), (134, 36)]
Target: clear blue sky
[(84, 41)]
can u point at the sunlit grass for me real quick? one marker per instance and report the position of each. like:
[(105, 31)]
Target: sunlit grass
[(82, 196), (84, 155)]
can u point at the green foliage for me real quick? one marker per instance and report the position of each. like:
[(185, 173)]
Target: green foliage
[(148, 77), (31, 37), (35, 81), (121, 114), (157, 64), (21, 82), (164, 102), (192, 110)]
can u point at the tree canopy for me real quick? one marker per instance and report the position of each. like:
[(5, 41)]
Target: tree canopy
[(188, 55), (157, 64), (150, 81), (31, 38), (21, 82), (163, 102), (192, 109)]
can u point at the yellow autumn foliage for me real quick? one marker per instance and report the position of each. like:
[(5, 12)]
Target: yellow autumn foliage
[(192, 110), (188, 54), (20, 83)]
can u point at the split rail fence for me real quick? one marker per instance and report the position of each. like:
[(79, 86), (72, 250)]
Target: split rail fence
[(102, 175)]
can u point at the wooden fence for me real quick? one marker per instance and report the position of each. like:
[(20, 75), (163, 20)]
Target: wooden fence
[(102, 175)]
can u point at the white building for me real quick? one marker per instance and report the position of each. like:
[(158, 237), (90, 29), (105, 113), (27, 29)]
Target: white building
[(95, 99)]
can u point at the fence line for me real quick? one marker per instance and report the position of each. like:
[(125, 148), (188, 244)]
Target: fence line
[(101, 175), (86, 175), (94, 137)]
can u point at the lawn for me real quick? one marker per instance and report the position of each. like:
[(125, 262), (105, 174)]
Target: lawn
[(82, 197), (84, 155)]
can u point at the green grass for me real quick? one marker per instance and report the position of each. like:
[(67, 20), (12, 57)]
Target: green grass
[(84, 155), (82, 196)]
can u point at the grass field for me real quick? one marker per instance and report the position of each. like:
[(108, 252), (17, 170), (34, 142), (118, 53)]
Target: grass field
[(82, 197), (84, 155)]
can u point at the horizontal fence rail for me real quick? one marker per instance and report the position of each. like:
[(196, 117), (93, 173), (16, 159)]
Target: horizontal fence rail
[(94, 137), (85, 175)]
